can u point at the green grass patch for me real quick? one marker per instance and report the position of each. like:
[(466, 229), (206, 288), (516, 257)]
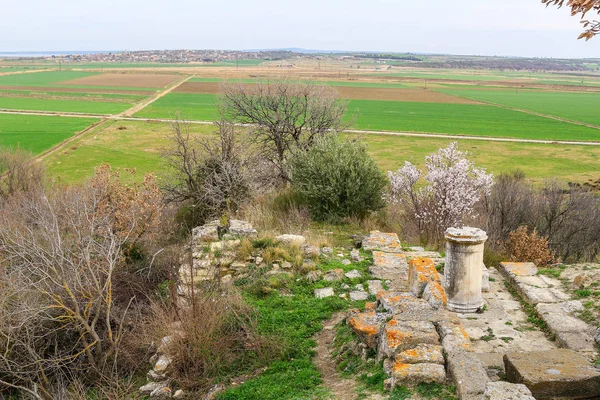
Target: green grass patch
[(193, 106), (80, 106), (463, 119), (71, 95), (575, 106), (43, 78), (38, 133)]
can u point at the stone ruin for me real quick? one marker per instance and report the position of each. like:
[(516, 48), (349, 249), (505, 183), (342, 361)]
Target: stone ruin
[(466, 327)]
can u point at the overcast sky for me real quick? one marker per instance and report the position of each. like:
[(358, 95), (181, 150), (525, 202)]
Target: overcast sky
[(483, 27)]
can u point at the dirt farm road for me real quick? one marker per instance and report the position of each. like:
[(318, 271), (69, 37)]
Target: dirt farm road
[(105, 118)]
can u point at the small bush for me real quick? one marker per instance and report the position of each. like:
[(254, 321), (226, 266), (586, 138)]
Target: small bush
[(338, 179), (528, 247)]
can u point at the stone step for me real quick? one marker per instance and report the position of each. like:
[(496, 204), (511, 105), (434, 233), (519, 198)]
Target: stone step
[(559, 373), (387, 242)]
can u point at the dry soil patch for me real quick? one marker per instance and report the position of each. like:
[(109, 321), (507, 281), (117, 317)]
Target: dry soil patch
[(126, 80), (349, 92), (75, 90)]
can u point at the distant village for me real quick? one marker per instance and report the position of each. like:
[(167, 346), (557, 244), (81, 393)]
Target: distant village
[(177, 56)]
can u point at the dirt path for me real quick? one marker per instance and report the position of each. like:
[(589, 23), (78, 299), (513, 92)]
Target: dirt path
[(147, 102), (341, 388)]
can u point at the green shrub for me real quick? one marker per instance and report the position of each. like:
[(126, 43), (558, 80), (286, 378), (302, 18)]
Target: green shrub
[(338, 178)]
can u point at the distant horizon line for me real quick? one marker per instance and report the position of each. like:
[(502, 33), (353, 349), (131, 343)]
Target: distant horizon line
[(300, 50)]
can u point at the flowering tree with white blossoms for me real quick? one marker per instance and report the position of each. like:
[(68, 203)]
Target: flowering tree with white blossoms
[(453, 187)]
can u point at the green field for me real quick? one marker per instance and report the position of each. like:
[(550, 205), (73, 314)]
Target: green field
[(576, 106), (38, 133), (459, 119), (463, 119), (139, 146), (79, 106), (194, 106), (46, 78)]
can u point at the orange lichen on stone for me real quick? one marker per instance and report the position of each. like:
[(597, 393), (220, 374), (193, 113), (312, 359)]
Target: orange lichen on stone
[(400, 368), (365, 324), (438, 292), (370, 306), (423, 268)]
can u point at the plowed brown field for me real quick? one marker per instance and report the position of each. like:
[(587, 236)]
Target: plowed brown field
[(126, 80), (349, 92)]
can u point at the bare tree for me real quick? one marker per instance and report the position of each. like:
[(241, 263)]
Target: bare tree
[(214, 174), (62, 251), (20, 172), (285, 115), (581, 7)]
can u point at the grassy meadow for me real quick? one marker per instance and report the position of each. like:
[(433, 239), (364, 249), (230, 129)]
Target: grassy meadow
[(137, 145), (63, 105)]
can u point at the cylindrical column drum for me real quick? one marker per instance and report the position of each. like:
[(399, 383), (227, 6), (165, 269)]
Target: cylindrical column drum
[(463, 268)]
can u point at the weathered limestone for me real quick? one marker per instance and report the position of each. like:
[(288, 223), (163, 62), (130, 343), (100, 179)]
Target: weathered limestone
[(413, 374), (399, 335), (324, 292), (392, 267), (375, 287), (558, 373), (353, 274), (435, 295), (358, 295), (367, 325), (463, 272), (422, 354), (506, 391), (421, 271), (387, 242), (294, 240), (552, 304), (334, 275), (468, 374)]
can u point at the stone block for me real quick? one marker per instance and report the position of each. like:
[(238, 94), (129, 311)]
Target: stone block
[(353, 274), (422, 353), (375, 287), (511, 269), (358, 295), (413, 374), (241, 229), (334, 275), (485, 279), (163, 364), (324, 292), (435, 295), (421, 271), (467, 373), (206, 233), (293, 240), (151, 387), (355, 255), (558, 373), (506, 391), (387, 242), (399, 335), (534, 295), (367, 325)]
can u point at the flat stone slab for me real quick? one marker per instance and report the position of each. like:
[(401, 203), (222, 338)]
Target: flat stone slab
[(399, 335), (358, 295), (387, 242), (323, 293), (469, 376), (518, 269), (375, 287), (421, 271), (506, 391), (392, 267), (413, 374), (367, 325), (422, 353), (559, 373), (405, 306), (570, 331)]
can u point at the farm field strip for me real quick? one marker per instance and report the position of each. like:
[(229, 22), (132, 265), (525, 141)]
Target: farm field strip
[(583, 107), (151, 81), (352, 92), (173, 86), (38, 133), (43, 78), (108, 97), (68, 106), (443, 118)]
